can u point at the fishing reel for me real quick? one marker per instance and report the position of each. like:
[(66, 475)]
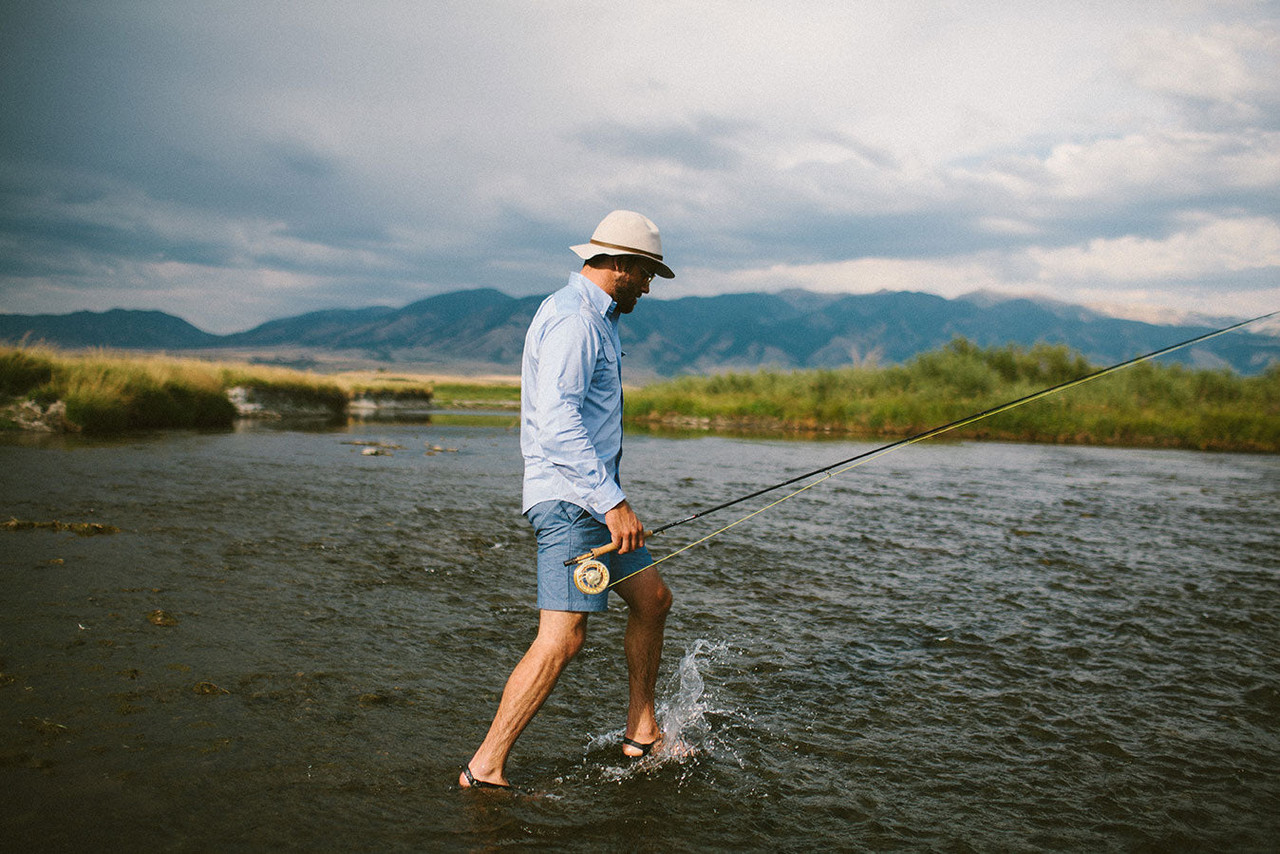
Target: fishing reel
[(591, 576)]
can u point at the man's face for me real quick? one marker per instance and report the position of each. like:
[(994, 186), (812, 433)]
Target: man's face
[(632, 281)]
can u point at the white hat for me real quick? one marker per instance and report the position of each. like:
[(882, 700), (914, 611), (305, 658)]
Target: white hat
[(626, 233)]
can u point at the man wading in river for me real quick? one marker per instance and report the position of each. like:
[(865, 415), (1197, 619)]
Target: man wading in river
[(571, 438)]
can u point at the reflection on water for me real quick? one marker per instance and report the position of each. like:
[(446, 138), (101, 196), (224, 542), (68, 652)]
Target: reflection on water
[(957, 647)]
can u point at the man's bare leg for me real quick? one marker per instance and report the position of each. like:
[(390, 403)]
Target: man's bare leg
[(560, 636), (648, 599)]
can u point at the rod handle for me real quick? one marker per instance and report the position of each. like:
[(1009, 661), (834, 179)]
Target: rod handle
[(601, 550)]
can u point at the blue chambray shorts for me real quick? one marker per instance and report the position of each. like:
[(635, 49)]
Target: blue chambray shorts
[(565, 531)]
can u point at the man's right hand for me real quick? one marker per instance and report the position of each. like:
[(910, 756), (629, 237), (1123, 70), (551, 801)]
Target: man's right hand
[(624, 525)]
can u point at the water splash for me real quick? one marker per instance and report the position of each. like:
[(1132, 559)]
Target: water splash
[(682, 716)]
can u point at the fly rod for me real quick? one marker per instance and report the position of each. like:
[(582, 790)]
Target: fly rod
[(592, 576)]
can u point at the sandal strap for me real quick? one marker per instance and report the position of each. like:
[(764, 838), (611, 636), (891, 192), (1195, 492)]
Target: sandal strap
[(480, 784)]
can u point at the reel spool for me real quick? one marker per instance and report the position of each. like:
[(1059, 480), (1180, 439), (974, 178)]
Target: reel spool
[(591, 576)]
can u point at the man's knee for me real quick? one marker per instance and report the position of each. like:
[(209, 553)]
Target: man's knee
[(574, 639), (656, 604), (562, 638), (665, 599)]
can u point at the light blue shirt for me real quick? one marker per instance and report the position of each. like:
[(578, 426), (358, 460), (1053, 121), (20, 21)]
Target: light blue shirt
[(571, 400)]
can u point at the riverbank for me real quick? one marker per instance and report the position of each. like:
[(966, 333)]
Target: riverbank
[(106, 392)]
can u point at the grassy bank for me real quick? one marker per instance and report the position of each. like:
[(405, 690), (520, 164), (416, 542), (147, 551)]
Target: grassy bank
[(1147, 405), (105, 392), (447, 391), (458, 395)]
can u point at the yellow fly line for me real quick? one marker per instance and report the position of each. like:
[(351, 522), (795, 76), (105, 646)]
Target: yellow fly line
[(853, 462)]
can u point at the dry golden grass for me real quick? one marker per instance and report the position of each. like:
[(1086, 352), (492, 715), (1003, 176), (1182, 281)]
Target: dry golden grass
[(107, 391)]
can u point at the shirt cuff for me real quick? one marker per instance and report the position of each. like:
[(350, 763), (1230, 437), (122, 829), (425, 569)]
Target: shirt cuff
[(608, 496)]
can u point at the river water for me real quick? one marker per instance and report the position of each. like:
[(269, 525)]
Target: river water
[(957, 647)]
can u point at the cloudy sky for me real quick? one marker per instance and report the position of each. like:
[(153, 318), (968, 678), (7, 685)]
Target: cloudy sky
[(233, 162)]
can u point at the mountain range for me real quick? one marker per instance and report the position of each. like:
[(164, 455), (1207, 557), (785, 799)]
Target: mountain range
[(789, 330)]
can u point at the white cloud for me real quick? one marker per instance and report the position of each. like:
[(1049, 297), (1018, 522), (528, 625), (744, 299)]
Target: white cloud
[(1139, 168), (949, 277), (1208, 249), (1132, 276), (1211, 249), (1231, 69)]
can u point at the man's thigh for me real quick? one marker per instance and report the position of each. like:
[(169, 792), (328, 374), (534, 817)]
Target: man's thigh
[(565, 531)]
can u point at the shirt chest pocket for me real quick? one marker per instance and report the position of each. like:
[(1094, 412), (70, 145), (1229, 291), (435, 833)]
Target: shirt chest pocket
[(607, 373)]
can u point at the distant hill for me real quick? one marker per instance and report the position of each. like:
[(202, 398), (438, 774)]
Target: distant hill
[(804, 330), (120, 328), (795, 329), (479, 326)]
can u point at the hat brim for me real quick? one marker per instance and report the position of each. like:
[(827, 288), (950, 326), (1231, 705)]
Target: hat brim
[(587, 251)]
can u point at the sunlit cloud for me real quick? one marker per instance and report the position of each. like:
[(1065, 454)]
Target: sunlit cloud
[(1210, 249)]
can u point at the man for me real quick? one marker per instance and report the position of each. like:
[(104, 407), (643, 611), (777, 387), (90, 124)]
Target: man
[(571, 439)]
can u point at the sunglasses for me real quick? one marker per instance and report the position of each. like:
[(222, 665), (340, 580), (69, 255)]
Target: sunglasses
[(637, 268)]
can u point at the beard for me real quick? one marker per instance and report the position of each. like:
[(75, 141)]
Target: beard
[(626, 296)]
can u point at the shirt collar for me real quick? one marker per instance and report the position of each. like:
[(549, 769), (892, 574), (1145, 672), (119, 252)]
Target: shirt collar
[(595, 295)]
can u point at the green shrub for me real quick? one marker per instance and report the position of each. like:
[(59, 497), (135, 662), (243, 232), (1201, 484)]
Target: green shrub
[(174, 405), (45, 394), (22, 371), (96, 411)]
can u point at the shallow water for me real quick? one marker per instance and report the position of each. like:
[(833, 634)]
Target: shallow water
[(957, 647)]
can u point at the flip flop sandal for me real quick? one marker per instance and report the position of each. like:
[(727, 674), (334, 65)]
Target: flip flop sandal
[(643, 748), (473, 783)]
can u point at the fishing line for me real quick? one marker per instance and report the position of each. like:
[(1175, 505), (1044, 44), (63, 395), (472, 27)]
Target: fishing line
[(591, 576)]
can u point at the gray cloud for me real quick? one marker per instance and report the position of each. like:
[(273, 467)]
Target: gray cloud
[(343, 155), (704, 143)]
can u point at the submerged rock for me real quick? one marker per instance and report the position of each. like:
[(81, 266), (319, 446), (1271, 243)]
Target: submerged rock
[(208, 688), (161, 618), (375, 449), (84, 529)]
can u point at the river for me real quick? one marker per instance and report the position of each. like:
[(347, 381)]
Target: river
[(293, 645)]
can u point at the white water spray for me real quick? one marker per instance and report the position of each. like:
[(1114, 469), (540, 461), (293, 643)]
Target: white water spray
[(681, 716)]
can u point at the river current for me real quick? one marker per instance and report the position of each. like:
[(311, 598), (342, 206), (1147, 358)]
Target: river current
[(293, 645)]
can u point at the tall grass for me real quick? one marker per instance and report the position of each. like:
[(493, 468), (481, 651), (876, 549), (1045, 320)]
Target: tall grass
[(105, 394), (21, 371), (1148, 404), (108, 392)]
